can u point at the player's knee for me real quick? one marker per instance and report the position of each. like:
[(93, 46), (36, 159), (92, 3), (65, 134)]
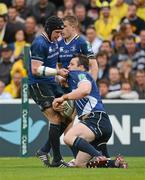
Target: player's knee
[(68, 139)]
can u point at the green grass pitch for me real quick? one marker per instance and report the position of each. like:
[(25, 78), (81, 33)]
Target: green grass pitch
[(32, 169)]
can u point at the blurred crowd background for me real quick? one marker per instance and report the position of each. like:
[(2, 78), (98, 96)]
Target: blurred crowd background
[(115, 29)]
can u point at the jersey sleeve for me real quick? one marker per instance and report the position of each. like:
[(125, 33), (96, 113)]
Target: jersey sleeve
[(86, 48), (38, 51)]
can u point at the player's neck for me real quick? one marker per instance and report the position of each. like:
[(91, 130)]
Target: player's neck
[(71, 37)]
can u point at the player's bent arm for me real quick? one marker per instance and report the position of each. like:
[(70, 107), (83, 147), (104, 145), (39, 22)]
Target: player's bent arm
[(93, 68), (83, 90), (39, 70)]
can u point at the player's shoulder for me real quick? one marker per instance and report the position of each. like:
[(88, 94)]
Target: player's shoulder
[(72, 73), (76, 74), (39, 41), (39, 38), (83, 42), (80, 38)]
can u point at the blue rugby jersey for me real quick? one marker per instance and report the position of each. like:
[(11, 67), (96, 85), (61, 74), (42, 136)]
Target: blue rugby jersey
[(90, 103), (67, 50), (46, 51)]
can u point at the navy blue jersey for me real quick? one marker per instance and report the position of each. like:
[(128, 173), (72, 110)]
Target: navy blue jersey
[(90, 103), (76, 46), (47, 52)]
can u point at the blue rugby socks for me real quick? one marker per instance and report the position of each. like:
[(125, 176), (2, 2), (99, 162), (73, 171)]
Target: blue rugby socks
[(54, 134), (47, 147), (82, 145)]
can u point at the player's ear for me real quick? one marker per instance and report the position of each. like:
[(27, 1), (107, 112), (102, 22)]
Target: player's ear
[(81, 67)]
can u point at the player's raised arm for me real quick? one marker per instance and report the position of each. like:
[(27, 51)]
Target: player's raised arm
[(86, 49), (93, 67)]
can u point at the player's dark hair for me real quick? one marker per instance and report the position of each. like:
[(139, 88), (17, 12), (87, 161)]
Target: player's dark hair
[(83, 60), (53, 23)]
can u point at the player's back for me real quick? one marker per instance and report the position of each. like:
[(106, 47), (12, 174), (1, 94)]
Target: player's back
[(90, 103)]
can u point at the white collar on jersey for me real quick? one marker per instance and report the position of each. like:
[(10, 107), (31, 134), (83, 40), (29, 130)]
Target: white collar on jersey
[(71, 39), (46, 36)]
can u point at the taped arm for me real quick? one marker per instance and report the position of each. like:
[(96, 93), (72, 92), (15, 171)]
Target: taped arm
[(39, 70)]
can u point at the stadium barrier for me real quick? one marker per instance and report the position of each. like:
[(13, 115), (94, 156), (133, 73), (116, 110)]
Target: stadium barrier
[(127, 118)]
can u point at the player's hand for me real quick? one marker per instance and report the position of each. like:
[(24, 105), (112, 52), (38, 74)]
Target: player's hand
[(58, 104), (63, 72)]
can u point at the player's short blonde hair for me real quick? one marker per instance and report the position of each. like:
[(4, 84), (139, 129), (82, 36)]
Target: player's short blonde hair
[(73, 21)]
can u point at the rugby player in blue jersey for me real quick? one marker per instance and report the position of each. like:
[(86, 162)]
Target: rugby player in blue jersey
[(94, 128), (72, 43), (43, 88), (69, 45)]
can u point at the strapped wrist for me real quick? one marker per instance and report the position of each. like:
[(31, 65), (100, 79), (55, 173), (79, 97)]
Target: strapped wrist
[(46, 71)]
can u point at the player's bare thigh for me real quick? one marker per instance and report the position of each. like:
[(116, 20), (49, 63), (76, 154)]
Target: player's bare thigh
[(78, 130), (70, 122)]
